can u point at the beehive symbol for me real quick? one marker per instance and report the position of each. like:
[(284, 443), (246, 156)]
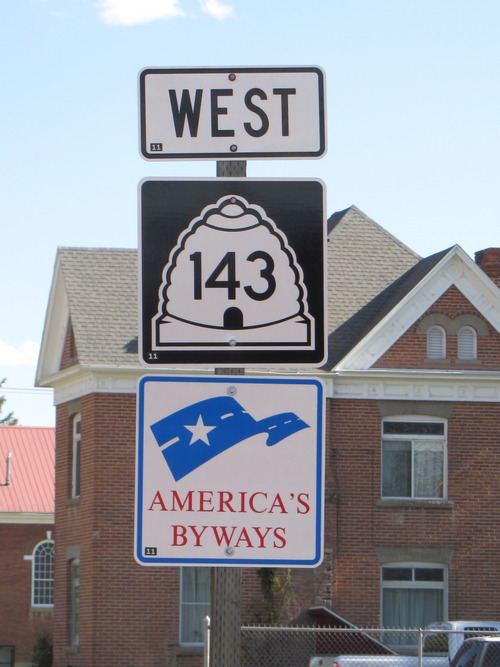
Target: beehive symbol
[(232, 280)]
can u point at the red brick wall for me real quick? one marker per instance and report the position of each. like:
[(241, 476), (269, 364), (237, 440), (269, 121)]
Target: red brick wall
[(19, 623), (128, 613), (410, 350), (468, 525)]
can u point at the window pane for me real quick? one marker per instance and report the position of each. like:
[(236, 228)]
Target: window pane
[(195, 603), (429, 574), (192, 623), (411, 608), (43, 574), (6, 656), (76, 457), (75, 603), (492, 655), (414, 428), (196, 584), (428, 472), (397, 573), (396, 469)]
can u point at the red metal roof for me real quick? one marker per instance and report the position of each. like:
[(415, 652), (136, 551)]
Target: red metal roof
[(30, 485)]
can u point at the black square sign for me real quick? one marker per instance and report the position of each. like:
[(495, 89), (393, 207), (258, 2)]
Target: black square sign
[(232, 272)]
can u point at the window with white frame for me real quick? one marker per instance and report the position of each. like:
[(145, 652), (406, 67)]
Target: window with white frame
[(194, 604), (74, 625), (75, 473), (413, 595), (43, 574), (467, 343), (436, 343), (414, 458)]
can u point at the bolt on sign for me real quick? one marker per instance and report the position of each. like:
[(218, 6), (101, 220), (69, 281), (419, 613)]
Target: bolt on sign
[(239, 113), (232, 272), (230, 471)]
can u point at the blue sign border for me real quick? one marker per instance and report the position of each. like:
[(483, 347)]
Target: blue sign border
[(232, 562)]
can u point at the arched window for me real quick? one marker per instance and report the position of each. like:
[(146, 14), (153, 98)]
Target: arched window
[(467, 343), (43, 574), (436, 343)]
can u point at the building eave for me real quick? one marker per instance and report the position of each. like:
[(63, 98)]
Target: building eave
[(456, 268), (44, 518), (414, 385)]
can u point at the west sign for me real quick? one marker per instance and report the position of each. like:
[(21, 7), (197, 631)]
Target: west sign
[(231, 272), (238, 113), (229, 471)]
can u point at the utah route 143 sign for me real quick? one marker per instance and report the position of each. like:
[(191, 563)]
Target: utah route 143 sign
[(232, 272), (230, 471)]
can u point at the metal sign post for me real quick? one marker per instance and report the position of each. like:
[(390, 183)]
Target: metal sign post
[(225, 598), (229, 277)]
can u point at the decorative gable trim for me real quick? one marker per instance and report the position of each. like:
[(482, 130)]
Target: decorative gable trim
[(456, 268), (452, 326)]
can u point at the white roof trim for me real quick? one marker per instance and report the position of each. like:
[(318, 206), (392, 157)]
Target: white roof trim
[(54, 331), (456, 268)]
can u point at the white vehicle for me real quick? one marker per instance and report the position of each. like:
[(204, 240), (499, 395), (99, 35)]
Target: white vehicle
[(441, 642)]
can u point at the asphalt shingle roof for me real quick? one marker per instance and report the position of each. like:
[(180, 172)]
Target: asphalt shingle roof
[(101, 286), (353, 330), (363, 259)]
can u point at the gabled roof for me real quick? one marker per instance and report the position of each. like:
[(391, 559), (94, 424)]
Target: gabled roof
[(27, 482), (353, 330), (366, 336), (97, 289), (363, 259), (371, 275)]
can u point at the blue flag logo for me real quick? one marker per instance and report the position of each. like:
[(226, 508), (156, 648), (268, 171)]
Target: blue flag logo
[(196, 434)]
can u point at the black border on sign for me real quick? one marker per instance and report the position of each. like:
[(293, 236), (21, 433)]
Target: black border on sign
[(227, 154), (166, 208)]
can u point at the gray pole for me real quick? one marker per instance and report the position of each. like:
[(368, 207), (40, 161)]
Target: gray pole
[(225, 621)]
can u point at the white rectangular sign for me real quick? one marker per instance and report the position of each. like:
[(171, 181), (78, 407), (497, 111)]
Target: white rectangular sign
[(230, 471), (236, 113)]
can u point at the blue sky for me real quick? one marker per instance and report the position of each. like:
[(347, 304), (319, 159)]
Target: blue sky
[(413, 109)]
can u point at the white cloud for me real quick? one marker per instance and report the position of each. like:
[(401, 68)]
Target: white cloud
[(216, 9), (25, 355), (134, 12)]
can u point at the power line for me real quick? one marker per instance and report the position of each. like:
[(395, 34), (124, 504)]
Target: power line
[(27, 390)]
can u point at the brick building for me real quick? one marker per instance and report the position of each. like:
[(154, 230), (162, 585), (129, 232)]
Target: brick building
[(412, 451), (26, 536)]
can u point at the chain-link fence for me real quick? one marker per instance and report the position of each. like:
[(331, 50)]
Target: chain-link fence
[(295, 647)]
